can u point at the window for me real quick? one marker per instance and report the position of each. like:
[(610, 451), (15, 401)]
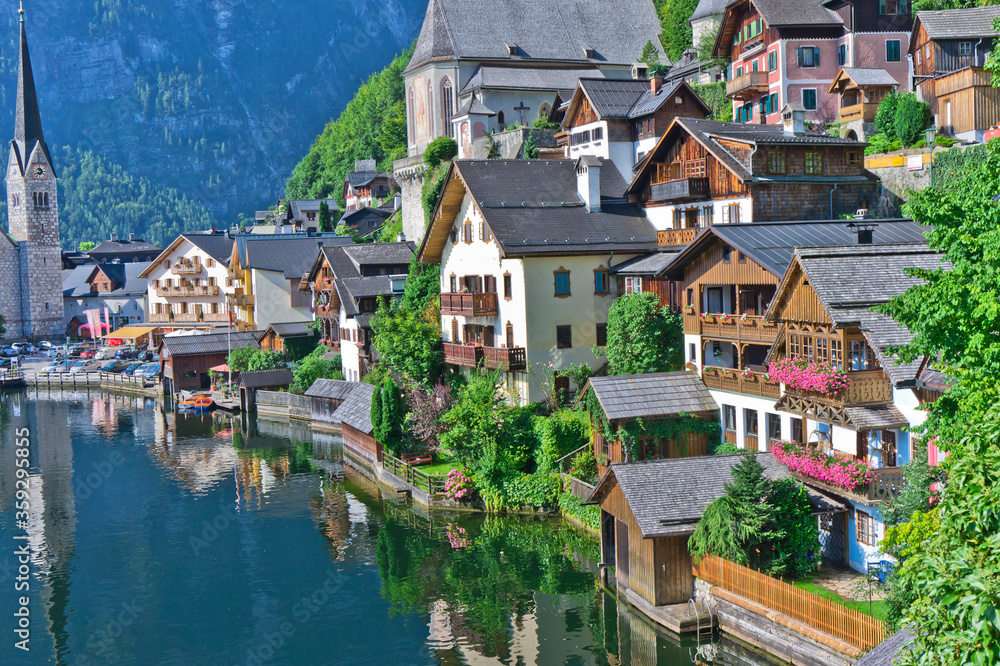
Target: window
[(510, 335), (729, 418), (964, 49), (689, 297), (562, 282), (776, 162), (836, 354), (853, 158), (750, 422), (564, 337), (727, 253), (597, 134), (865, 528), (602, 335), (508, 287), (773, 422), (447, 105), (467, 231), (807, 56), (410, 116), (500, 122), (210, 262), (809, 98), (893, 7), (774, 103), (741, 258), (692, 353), (814, 164), (454, 235), (755, 67), (731, 214), (601, 279), (822, 353), (484, 232), (707, 213), (861, 356), (892, 50), (797, 431), (842, 55), (772, 61), (633, 285)]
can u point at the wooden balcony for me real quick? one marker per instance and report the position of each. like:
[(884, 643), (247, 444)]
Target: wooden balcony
[(194, 268), (727, 379), (680, 190), (469, 305), (494, 358), (886, 485), (732, 327), (865, 112), (870, 387), (326, 312), (243, 300), (676, 236), (324, 284), (748, 85), (187, 318), (187, 290)]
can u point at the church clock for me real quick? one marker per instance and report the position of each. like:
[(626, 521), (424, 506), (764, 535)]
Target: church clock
[(38, 172)]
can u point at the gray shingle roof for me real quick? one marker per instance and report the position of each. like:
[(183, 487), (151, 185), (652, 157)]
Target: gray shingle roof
[(362, 178), (75, 284), (886, 652), (334, 389), (474, 106), (351, 289), (124, 247), (216, 245), (356, 410), (667, 497), (850, 280), (630, 98), (877, 417), (647, 264), (788, 13), (532, 207), (652, 396), (379, 254), (559, 31), (959, 23), (870, 76), (772, 244), (266, 378), (290, 254), (210, 343), (361, 218), (708, 8), (294, 329), (500, 77)]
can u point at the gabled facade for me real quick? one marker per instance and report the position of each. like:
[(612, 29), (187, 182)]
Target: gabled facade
[(116, 287), (785, 52), (948, 51), (860, 91), (365, 186), (525, 248), (188, 282), (620, 120), (703, 172)]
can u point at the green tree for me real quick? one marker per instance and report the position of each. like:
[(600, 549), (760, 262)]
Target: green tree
[(676, 35), (87, 245), (422, 285), (885, 116), (916, 494), (441, 149), (530, 149), (313, 367), (642, 336), (243, 359), (409, 342), (325, 222), (388, 416), (912, 118), (651, 56)]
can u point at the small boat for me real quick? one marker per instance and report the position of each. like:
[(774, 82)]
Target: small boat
[(197, 403)]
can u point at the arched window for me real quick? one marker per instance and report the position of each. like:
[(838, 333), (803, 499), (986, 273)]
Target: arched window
[(46, 204), (500, 123), (544, 110), (430, 109), (411, 127), (447, 106)]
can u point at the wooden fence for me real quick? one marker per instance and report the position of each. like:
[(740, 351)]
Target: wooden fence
[(579, 489), (118, 379), (275, 399), (432, 483), (849, 625), (299, 406)]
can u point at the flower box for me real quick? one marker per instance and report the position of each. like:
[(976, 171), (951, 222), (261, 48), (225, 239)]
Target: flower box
[(805, 375), (851, 475)]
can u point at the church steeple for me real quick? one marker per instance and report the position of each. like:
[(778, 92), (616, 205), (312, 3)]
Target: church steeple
[(28, 122)]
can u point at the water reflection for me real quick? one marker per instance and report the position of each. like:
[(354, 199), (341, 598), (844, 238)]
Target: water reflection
[(215, 531)]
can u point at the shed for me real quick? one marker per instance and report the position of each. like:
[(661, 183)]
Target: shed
[(861, 91), (326, 397), (253, 381), (355, 415), (284, 336), (186, 360), (649, 509), (650, 398)]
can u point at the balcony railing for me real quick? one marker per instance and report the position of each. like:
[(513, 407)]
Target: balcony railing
[(865, 112), (325, 311), (685, 188), (747, 85), (494, 358), (188, 290), (193, 268), (187, 318), (676, 236), (886, 485), (469, 305), (730, 379), (870, 387), (243, 300), (732, 327)]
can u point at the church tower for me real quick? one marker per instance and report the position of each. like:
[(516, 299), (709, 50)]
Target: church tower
[(33, 213)]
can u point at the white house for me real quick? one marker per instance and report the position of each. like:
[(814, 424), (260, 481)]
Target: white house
[(526, 248), (113, 286)]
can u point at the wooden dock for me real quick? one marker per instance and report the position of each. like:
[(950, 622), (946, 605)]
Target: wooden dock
[(64, 379), (679, 618), (11, 379)]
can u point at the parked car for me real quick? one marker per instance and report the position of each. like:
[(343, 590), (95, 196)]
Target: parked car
[(125, 352), (50, 369), (148, 355), (53, 352), (9, 352), (132, 367), (105, 353), (88, 353), (45, 345), (24, 348), (64, 366), (83, 367), (149, 371), (113, 366)]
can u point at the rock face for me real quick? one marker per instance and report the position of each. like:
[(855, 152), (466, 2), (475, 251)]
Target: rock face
[(217, 98)]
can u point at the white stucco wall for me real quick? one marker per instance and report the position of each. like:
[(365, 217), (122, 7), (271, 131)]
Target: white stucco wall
[(350, 361), (187, 250), (273, 300)]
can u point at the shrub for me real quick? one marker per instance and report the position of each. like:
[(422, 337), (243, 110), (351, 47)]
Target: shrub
[(912, 118), (726, 449), (881, 143), (431, 191), (459, 485), (532, 490), (440, 150), (589, 515), (559, 434), (584, 466), (885, 117)]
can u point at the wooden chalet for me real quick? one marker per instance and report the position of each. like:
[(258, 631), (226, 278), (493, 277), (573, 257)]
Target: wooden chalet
[(647, 399), (325, 397), (281, 336), (650, 509), (355, 414), (261, 380), (949, 49), (704, 172), (860, 91)]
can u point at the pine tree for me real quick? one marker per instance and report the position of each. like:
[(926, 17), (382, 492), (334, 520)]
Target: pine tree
[(749, 491), (530, 148), (325, 226)]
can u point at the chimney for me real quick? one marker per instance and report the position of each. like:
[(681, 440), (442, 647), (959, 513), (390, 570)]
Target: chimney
[(114, 237), (655, 83), (865, 232), (588, 182), (794, 118), (214, 230), (131, 237)]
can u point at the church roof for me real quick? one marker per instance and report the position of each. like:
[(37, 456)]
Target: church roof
[(28, 120), (579, 31), (707, 8), (124, 246)]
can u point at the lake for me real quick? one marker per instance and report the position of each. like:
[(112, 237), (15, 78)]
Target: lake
[(156, 538)]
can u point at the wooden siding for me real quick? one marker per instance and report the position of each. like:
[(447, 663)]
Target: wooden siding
[(974, 102), (722, 183), (322, 409), (362, 444), (810, 201), (674, 578), (801, 303), (585, 114), (709, 269)]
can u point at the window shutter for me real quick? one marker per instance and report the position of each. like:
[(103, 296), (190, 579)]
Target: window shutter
[(815, 57), (798, 56), (881, 7)]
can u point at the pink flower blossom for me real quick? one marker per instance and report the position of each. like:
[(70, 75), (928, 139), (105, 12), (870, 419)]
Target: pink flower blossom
[(849, 475), (806, 375)]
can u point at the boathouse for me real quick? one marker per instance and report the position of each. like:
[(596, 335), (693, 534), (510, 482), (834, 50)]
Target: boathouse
[(649, 509), (669, 414), (253, 381), (326, 396), (355, 415), (185, 360), (288, 338)]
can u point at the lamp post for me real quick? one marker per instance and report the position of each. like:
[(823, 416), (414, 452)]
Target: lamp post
[(929, 135)]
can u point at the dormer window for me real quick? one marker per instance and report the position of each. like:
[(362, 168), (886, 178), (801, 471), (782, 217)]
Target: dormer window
[(590, 54), (512, 49)]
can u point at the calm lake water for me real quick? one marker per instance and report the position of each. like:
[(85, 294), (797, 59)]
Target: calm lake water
[(162, 539)]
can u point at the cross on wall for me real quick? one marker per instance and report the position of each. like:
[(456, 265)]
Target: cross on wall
[(521, 109)]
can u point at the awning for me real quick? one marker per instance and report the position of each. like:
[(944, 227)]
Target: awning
[(131, 332), (220, 368), (101, 325)]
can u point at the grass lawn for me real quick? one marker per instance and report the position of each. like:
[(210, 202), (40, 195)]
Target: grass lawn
[(442, 466), (878, 609)]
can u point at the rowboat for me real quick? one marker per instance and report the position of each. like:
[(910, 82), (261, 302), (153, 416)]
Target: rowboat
[(197, 403)]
